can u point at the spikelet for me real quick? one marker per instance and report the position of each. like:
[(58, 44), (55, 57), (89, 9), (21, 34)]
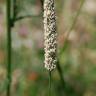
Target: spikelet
[(50, 35)]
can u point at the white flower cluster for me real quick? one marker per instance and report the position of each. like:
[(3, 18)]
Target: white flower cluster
[(50, 35)]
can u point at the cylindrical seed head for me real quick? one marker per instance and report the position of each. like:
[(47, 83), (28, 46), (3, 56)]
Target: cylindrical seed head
[(50, 35)]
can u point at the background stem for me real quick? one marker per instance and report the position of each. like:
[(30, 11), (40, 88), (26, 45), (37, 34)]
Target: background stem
[(8, 17), (72, 26)]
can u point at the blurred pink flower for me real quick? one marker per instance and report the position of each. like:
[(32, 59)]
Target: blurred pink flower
[(23, 31), (2, 56), (1, 25), (1, 30), (33, 76), (1, 18)]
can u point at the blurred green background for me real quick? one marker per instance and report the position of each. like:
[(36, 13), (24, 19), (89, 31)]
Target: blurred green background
[(77, 60)]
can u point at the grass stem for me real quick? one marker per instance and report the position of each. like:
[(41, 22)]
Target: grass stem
[(8, 17), (49, 83)]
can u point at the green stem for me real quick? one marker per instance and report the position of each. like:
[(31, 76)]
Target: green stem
[(14, 6), (8, 10), (14, 9), (26, 16), (61, 74), (49, 83)]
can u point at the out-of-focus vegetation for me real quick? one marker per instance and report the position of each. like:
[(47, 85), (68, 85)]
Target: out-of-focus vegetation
[(78, 60)]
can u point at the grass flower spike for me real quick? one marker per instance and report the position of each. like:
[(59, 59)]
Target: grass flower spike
[(50, 35)]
